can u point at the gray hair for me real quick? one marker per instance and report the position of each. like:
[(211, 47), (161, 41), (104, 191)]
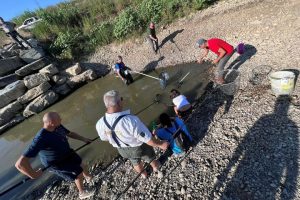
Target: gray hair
[(111, 98)]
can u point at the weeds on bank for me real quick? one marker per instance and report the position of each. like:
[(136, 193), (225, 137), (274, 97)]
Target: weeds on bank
[(72, 29)]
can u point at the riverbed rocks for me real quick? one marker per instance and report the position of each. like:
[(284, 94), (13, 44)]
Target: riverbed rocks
[(31, 55), (88, 75), (35, 79), (74, 70), (40, 103), (34, 92), (9, 111), (49, 70), (11, 92), (32, 67), (8, 65), (6, 80)]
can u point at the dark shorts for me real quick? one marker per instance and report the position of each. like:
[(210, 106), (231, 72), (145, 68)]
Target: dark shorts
[(136, 154), (185, 114), (69, 168)]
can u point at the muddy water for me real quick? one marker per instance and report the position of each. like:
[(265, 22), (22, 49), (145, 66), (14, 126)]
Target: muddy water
[(81, 110)]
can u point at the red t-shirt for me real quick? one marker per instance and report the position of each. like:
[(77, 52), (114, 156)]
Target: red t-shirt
[(214, 44)]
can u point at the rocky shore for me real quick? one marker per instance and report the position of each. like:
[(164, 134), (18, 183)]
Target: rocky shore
[(30, 82), (247, 145)]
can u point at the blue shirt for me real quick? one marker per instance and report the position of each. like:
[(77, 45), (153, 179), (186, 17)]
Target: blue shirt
[(51, 146), (120, 66), (163, 134)]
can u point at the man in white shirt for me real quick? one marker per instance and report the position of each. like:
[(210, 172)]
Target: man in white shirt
[(128, 134)]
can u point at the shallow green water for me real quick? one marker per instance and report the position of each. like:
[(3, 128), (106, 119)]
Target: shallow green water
[(81, 110)]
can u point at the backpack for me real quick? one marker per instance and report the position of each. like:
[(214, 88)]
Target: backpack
[(240, 48)]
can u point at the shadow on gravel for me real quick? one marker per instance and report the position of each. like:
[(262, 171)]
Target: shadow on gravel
[(170, 38), (249, 52), (207, 110), (265, 164), (152, 65)]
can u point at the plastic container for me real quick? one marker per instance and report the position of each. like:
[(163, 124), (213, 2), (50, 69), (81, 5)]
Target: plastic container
[(232, 82), (282, 82)]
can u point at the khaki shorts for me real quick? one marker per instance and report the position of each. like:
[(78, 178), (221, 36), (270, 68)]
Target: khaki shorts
[(136, 154)]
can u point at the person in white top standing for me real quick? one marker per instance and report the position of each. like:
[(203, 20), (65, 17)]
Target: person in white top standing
[(182, 106), (128, 134)]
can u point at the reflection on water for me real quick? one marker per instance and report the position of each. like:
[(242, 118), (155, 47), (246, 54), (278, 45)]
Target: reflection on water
[(81, 110)]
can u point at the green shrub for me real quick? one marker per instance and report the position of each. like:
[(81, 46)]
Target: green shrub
[(200, 4), (102, 34), (127, 22), (150, 10), (67, 44), (63, 16)]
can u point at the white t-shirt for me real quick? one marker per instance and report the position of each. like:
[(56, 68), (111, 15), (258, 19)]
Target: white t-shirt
[(180, 101), (129, 130)]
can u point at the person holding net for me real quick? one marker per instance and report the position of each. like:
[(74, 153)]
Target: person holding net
[(175, 132), (52, 145), (123, 71)]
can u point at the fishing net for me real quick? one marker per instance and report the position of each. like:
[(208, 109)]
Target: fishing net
[(259, 74), (164, 77)]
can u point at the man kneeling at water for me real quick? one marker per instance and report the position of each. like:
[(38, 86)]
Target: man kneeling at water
[(52, 145), (128, 134), (175, 132), (122, 71)]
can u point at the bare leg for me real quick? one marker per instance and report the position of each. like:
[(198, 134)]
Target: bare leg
[(155, 164), (140, 168), (79, 183), (85, 172)]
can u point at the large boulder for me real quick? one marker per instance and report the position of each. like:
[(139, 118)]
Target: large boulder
[(59, 80), (49, 70), (62, 89), (32, 54), (8, 54), (6, 80), (32, 67), (11, 92), (81, 78), (100, 69), (34, 92), (40, 103), (35, 79), (9, 65), (9, 111), (11, 123), (74, 70)]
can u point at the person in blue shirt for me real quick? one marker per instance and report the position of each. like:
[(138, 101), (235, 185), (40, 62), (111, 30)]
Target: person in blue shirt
[(123, 71), (179, 140), (55, 153)]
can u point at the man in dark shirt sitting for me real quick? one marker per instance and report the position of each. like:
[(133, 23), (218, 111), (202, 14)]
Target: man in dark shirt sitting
[(153, 38), (52, 145)]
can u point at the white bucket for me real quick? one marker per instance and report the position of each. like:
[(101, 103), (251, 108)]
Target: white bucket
[(282, 82)]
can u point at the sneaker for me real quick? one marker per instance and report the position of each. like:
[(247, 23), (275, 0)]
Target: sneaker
[(86, 194)]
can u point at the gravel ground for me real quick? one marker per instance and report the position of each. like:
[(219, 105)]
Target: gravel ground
[(248, 145)]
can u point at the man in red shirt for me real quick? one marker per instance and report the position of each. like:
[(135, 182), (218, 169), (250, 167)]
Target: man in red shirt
[(222, 49)]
